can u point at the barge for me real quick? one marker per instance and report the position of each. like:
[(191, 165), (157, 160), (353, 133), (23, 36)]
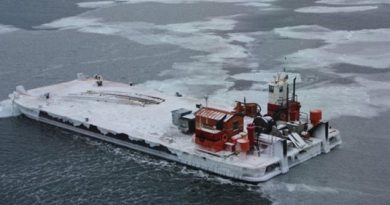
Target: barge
[(241, 143)]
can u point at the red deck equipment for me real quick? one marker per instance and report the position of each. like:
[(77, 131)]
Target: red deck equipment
[(214, 127), (243, 145), (315, 116), (251, 134)]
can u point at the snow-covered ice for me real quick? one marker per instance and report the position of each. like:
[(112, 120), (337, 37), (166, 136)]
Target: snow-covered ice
[(96, 4), (7, 29), (99, 4), (369, 47), (197, 36), (353, 2), (265, 76), (327, 9)]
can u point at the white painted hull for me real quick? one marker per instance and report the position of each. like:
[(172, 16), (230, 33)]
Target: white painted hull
[(191, 160)]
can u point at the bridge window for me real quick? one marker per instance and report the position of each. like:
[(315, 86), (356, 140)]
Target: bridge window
[(271, 88)]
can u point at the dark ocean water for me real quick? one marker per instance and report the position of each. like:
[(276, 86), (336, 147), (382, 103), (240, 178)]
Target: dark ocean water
[(40, 164)]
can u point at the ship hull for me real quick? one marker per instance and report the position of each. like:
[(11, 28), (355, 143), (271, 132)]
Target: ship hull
[(145, 148), (34, 115), (75, 115)]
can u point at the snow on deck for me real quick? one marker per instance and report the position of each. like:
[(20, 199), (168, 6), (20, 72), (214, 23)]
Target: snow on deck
[(121, 108), (74, 100)]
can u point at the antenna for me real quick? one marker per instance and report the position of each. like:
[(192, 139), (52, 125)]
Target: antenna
[(206, 98), (294, 88)]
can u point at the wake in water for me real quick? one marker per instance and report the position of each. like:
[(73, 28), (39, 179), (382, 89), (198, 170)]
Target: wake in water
[(8, 109)]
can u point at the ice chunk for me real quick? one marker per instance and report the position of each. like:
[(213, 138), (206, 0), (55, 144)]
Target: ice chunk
[(7, 29), (369, 47), (103, 4), (353, 2), (96, 4), (326, 9), (265, 76)]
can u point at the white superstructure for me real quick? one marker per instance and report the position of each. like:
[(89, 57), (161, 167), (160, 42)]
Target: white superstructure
[(278, 93)]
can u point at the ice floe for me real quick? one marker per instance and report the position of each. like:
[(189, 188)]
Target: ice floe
[(199, 36), (103, 4), (256, 4), (192, 35), (339, 100), (204, 73), (353, 2), (96, 4), (7, 29), (369, 47), (265, 76), (327, 9)]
